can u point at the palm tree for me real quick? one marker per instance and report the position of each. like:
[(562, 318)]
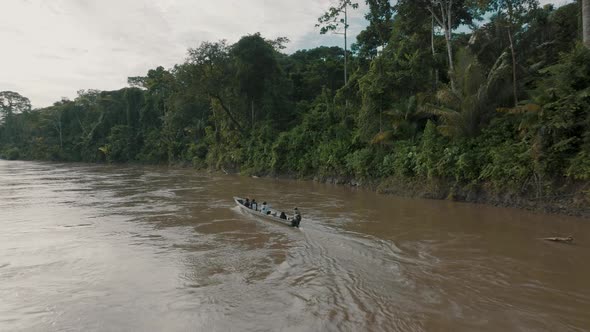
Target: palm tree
[(463, 112), (404, 119)]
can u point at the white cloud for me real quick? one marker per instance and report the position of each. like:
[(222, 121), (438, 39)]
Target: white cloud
[(52, 48)]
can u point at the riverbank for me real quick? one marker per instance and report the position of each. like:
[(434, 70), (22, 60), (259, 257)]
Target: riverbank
[(569, 199)]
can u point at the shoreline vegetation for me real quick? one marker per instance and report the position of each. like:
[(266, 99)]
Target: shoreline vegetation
[(497, 114), (570, 200)]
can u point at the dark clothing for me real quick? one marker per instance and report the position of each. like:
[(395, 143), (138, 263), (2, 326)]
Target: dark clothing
[(283, 215), (296, 221), (247, 203)]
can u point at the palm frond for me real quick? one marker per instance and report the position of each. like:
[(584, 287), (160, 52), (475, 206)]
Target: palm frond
[(462, 113), (382, 137), (447, 97), (526, 108)]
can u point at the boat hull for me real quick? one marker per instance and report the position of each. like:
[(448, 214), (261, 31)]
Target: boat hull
[(239, 201)]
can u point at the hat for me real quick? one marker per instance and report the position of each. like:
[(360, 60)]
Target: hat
[(263, 202)]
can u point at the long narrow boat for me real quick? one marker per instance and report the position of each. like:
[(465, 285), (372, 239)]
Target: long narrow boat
[(274, 216)]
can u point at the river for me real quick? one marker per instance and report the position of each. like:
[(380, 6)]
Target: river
[(133, 248)]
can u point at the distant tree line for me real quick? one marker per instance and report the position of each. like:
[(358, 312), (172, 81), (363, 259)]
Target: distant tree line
[(504, 106)]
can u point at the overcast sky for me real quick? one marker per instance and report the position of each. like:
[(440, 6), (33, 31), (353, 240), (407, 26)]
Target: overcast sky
[(53, 48)]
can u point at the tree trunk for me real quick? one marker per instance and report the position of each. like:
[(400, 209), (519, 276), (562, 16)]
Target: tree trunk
[(345, 44), (227, 111), (58, 129), (252, 106), (61, 140), (450, 54), (514, 86), (586, 22), (445, 20), (345, 50), (435, 70)]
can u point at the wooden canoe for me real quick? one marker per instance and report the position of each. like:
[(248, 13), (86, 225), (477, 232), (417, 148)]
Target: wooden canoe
[(240, 202)]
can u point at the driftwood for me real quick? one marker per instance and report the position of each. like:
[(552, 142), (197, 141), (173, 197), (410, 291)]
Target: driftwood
[(568, 239)]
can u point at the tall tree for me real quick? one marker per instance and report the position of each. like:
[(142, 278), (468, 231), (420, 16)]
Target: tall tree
[(256, 65), (586, 22), (463, 112), (211, 63), (512, 14), (313, 70), (378, 32), (332, 20), (412, 21), (12, 103), (448, 15)]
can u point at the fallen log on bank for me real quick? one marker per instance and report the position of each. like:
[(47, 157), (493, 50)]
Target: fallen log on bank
[(568, 239)]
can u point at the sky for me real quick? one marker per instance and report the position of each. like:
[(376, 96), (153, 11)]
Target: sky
[(53, 48)]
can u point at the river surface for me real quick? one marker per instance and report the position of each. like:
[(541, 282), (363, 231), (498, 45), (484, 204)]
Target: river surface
[(132, 248)]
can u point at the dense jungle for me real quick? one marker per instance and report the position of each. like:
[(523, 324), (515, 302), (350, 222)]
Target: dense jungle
[(483, 101)]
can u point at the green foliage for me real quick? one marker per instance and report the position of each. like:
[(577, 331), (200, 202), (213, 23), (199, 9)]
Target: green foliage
[(509, 168), (378, 32), (402, 162), (331, 158), (579, 168), (332, 19), (465, 111), (10, 153), (467, 166), (312, 71), (561, 129), (360, 163), (430, 152), (293, 151), (120, 144), (399, 74), (12, 108), (248, 108), (255, 64)]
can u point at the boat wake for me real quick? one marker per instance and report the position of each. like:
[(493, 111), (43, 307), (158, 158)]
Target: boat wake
[(345, 280)]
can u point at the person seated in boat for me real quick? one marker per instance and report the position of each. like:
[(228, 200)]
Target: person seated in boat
[(247, 203), (254, 205), (264, 208), (283, 215), (296, 218)]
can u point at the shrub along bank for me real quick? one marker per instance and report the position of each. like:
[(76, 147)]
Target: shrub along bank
[(505, 125)]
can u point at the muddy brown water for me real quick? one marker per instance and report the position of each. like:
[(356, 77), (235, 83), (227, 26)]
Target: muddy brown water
[(131, 248)]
